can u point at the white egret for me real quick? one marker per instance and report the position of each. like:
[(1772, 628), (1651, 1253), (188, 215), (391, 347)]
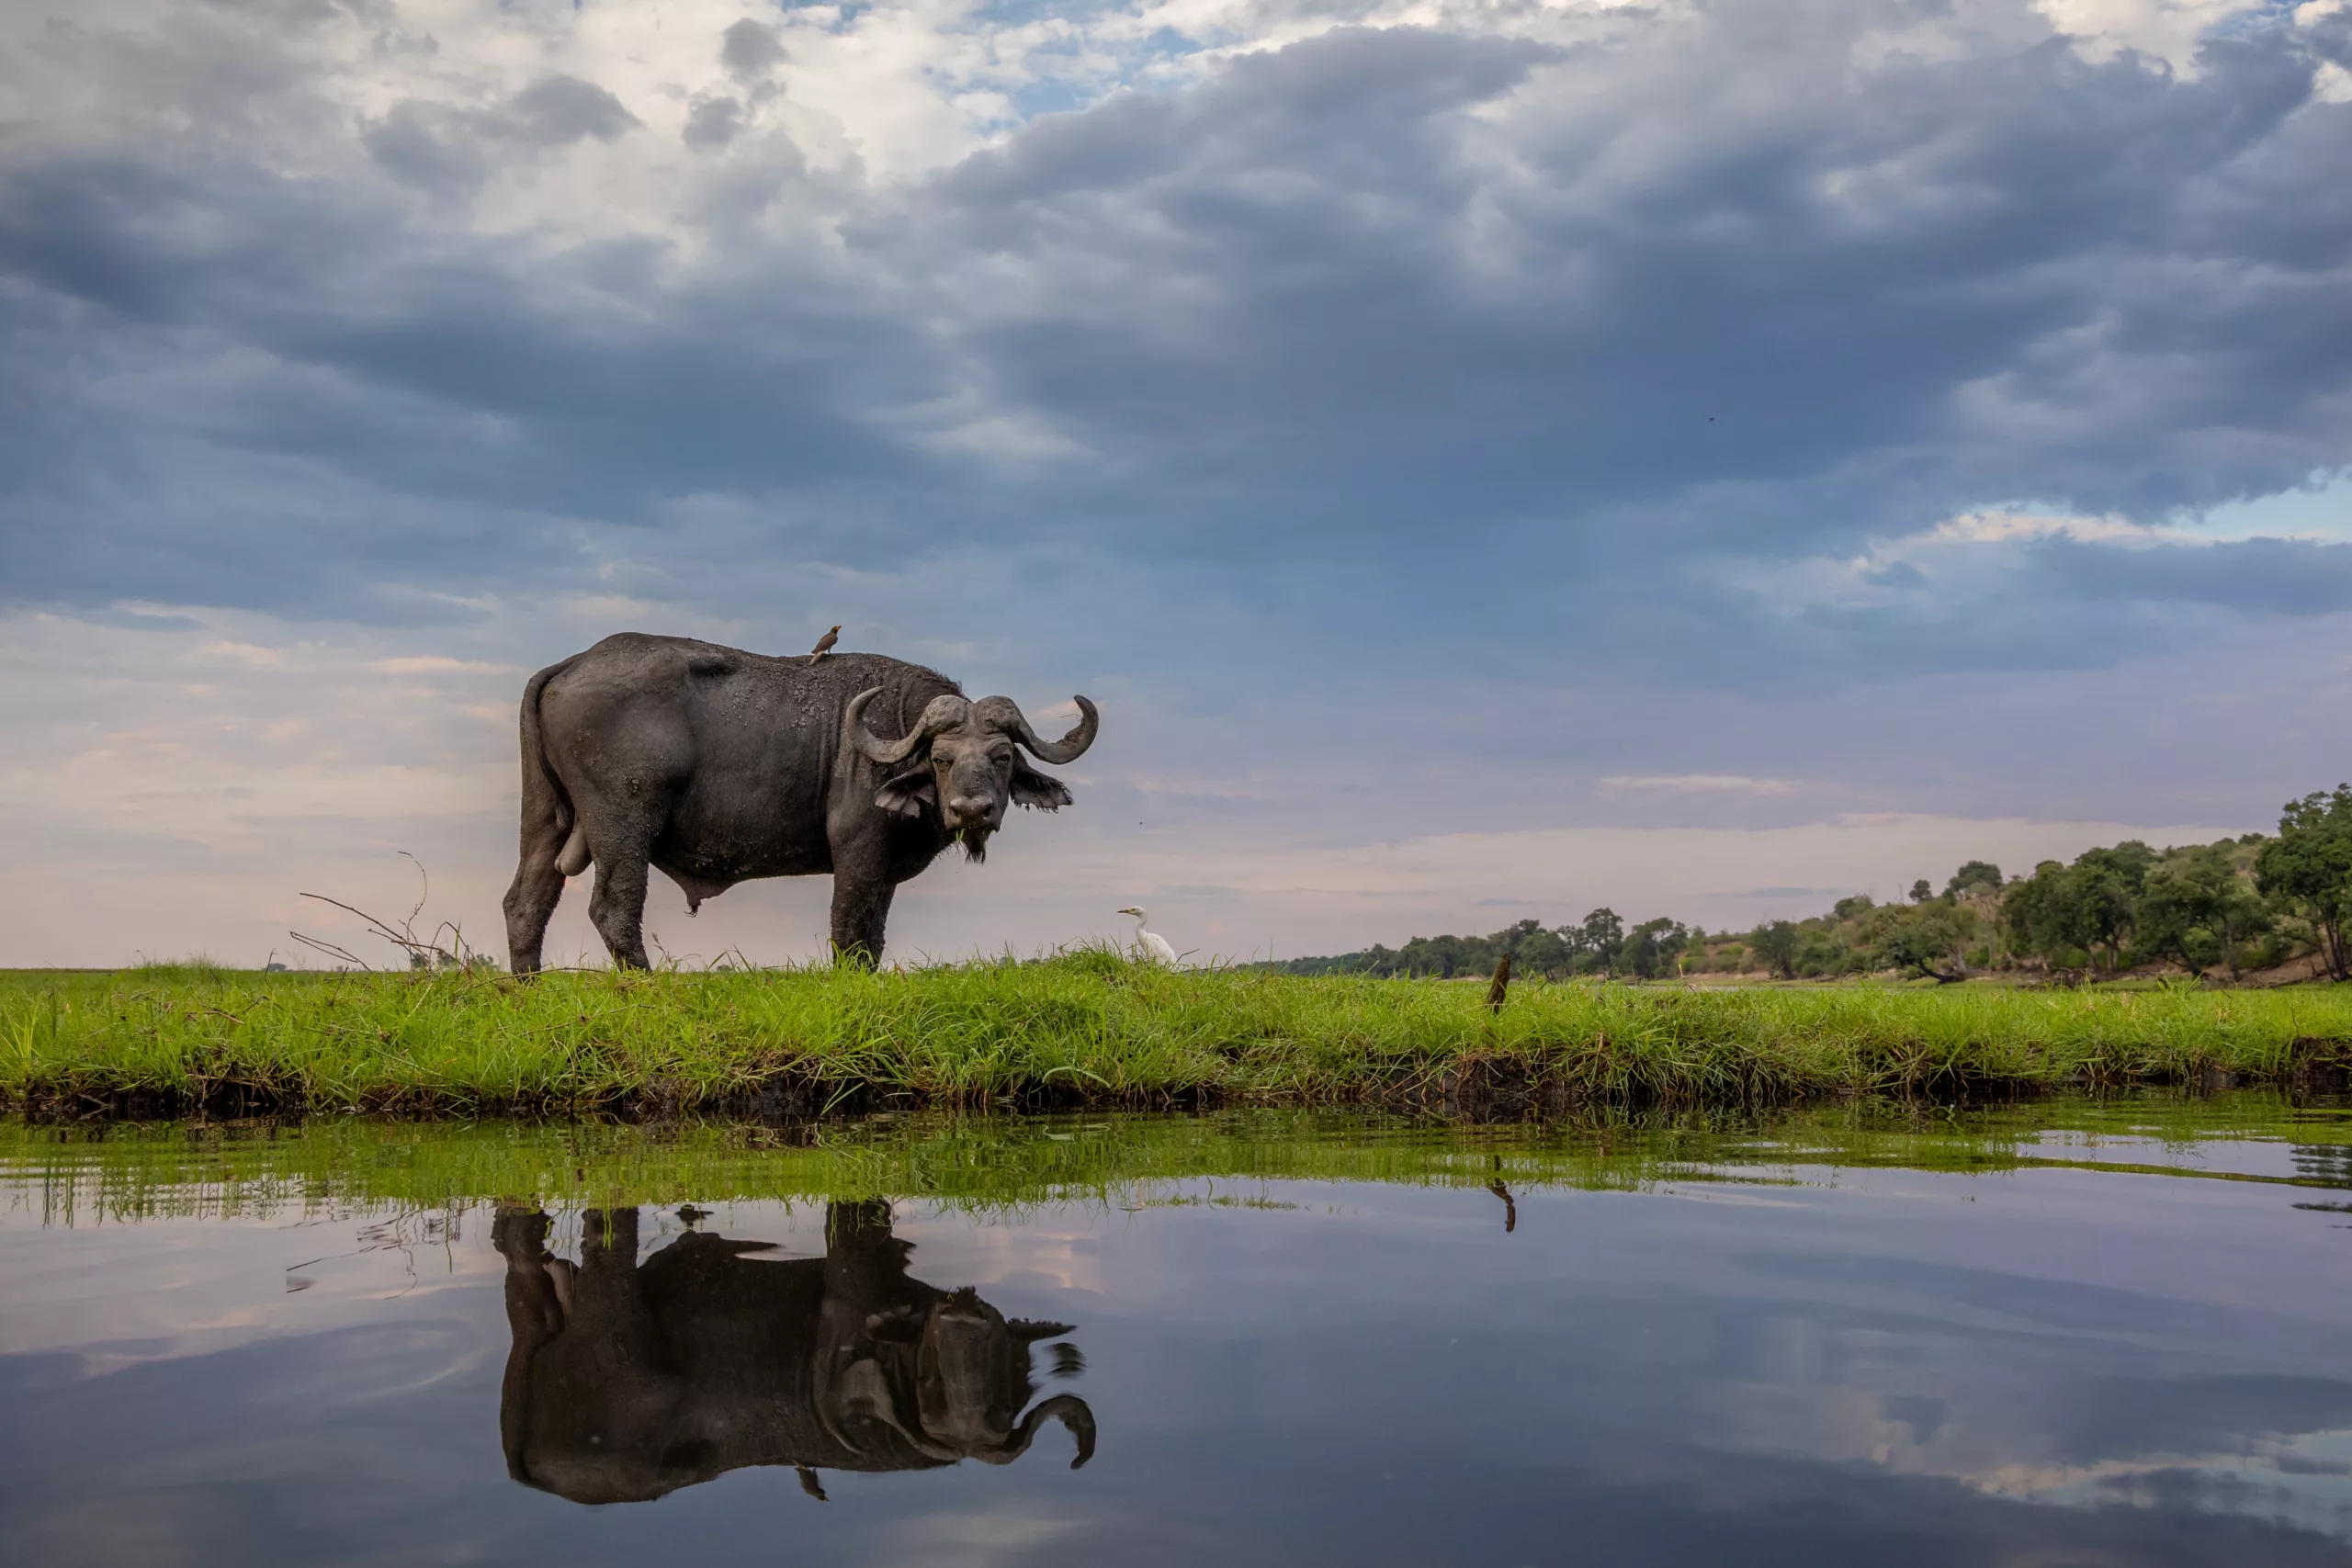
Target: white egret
[(1154, 946)]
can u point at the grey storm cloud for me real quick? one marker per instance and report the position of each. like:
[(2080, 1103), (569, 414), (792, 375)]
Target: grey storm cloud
[(749, 51), (1334, 329), (450, 152), (555, 111), (438, 149), (1893, 281), (713, 123), (2286, 576), (410, 146)]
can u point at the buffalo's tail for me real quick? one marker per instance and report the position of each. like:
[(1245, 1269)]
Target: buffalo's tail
[(545, 803), (553, 846)]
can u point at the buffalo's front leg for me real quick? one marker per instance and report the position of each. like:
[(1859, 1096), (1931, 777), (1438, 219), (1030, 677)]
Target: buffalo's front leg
[(861, 910)]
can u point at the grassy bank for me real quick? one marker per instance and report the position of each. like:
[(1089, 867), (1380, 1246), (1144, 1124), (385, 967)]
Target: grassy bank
[(1084, 1029)]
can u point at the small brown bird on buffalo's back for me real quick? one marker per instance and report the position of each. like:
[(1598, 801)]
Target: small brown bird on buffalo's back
[(825, 644)]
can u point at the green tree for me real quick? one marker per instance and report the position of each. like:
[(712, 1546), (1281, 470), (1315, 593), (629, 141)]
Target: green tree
[(2197, 908), (2044, 914), (1444, 957), (1927, 939), (2131, 861), (1776, 944), (2239, 915), (2106, 885), (1532, 949), (1652, 947), (2176, 913), (2310, 864), (1604, 938), (1976, 876)]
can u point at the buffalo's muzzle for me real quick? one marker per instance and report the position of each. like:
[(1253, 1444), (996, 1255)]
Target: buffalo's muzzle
[(971, 810)]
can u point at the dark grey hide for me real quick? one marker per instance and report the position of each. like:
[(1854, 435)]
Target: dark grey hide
[(628, 1380), (719, 766)]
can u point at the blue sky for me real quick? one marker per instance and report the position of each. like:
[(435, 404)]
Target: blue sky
[(1483, 458)]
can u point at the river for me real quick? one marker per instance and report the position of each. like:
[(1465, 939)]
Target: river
[(2071, 1332)]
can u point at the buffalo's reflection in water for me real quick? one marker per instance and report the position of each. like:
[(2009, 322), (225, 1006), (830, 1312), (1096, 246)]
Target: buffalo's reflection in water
[(629, 1381)]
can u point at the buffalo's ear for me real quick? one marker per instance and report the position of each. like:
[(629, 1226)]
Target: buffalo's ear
[(907, 793), (1024, 1332), (1031, 787)]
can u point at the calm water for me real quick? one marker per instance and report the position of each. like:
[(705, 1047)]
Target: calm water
[(2069, 1334)]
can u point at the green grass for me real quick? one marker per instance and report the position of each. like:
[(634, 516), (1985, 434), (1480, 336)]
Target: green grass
[(99, 1171), (1085, 1028)]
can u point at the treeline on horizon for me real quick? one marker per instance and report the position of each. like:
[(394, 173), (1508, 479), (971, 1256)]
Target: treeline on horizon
[(2246, 904)]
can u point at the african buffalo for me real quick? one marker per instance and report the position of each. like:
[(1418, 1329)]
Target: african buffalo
[(719, 766), (626, 1381)]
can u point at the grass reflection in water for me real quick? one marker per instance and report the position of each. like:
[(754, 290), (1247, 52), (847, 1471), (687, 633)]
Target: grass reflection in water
[(89, 1171)]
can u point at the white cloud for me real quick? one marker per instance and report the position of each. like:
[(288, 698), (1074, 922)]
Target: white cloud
[(1699, 783), (440, 664), (1972, 552), (2170, 30)]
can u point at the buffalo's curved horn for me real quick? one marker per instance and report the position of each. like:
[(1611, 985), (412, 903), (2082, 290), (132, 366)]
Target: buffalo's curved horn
[(1006, 714), (941, 712), (1066, 1408)]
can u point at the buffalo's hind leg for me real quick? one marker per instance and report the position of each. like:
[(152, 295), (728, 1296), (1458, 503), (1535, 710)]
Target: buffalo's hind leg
[(617, 906), (538, 885)]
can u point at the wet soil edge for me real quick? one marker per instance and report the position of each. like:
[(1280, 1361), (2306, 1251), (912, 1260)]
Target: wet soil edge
[(1476, 1091)]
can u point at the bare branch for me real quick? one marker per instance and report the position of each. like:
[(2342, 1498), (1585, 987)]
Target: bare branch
[(404, 937), (423, 891), (332, 950), (423, 953)]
